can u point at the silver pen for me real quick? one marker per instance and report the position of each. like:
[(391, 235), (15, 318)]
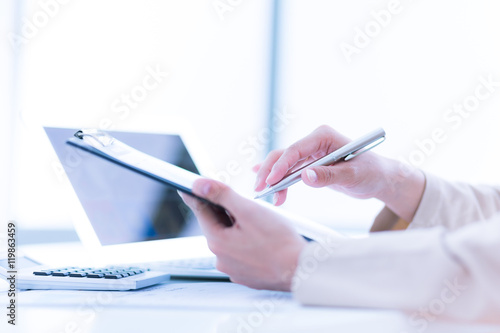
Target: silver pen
[(347, 152)]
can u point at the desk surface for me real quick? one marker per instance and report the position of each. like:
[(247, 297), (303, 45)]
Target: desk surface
[(187, 306), (99, 312)]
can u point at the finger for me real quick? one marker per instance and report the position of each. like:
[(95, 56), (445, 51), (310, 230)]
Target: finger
[(339, 174), (256, 167), (265, 168), (211, 221), (319, 142), (189, 200), (279, 197), (219, 194)]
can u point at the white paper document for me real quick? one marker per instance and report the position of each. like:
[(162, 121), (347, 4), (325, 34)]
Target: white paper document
[(178, 294)]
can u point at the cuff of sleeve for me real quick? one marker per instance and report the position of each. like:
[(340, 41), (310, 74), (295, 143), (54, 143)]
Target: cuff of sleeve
[(303, 290), (425, 216)]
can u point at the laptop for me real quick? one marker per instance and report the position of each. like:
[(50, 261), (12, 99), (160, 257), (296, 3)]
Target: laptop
[(124, 218)]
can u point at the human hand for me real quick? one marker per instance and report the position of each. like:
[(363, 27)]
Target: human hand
[(260, 249), (366, 176), (358, 178)]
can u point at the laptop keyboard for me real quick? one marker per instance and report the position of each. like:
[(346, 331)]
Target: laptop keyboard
[(92, 273)]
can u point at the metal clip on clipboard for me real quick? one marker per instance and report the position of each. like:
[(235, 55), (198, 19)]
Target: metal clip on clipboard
[(100, 137)]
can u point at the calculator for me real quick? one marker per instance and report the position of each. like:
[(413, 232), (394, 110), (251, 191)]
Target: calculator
[(30, 274)]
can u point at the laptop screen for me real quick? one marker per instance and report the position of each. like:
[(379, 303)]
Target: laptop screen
[(124, 206)]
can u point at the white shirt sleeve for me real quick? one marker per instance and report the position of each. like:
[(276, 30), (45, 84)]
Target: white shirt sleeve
[(453, 205), (446, 204), (429, 272)]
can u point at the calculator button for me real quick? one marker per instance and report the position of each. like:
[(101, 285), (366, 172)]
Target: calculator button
[(110, 272)]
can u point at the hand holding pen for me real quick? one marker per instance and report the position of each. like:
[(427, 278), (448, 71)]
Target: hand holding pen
[(356, 178)]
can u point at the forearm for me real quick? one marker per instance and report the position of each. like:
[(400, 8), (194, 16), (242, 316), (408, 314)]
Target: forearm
[(386, 270)]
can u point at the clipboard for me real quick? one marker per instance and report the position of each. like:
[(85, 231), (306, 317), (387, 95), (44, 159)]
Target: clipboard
[(105, 146)]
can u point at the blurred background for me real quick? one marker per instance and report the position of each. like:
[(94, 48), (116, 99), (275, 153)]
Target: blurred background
[(248, 76)]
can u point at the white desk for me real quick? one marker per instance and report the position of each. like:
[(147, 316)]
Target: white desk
[(184, 306)]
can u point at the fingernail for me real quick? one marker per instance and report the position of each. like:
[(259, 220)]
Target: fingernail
[(257, 181), (275, 198), (205, 189), (312, 176)]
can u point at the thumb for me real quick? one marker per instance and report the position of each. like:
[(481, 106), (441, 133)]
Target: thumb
[(217, 193), (322, 176)]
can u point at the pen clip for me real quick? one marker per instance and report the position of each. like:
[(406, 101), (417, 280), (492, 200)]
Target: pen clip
[(102, 138), (364, 149)]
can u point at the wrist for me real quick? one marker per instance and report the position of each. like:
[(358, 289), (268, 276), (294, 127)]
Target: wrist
[(403, 188)]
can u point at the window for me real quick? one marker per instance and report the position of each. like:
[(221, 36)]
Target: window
[(99, 64), (401, 65), (409, 67)]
